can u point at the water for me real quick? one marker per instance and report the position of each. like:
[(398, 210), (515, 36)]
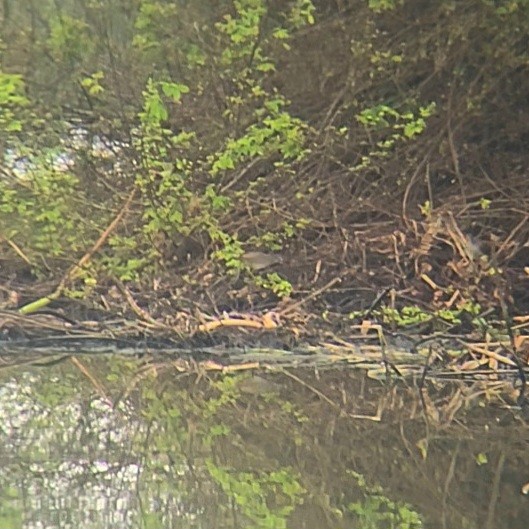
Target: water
[(115, 442)]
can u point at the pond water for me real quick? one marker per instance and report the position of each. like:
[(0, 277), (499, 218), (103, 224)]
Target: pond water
[(118, 442)]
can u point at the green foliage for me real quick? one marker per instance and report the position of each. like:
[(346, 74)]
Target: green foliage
[(84, 287), (383, 5), (507, 7), (151, 17), (230, 251), (413, 315), (214, 120), (174, 201), (164, 182), (11, 90), (227, 394), (401, 125), (92, 83), (244, 30), (11, 510), (69, 39), (302, 13), (167, 33), (266, 499), (377, 511), (481, 459), (275, 283), (405, 317), (485, 203), (155, 111), (11, 97), (124, 258), (41, 210), (392, 127), (54, 392), (275, 132), (179, 168)]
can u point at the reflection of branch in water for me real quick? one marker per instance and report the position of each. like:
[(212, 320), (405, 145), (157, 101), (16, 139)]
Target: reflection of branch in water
[(31, 359), (377, 417)]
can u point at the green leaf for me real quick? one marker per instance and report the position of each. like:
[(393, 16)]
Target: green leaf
[(174, 90)]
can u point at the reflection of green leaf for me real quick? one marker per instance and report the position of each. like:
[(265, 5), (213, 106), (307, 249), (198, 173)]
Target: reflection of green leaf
[(377, 510), (252, 491)]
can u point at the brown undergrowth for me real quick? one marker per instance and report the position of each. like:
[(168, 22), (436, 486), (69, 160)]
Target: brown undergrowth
[(435, 222)]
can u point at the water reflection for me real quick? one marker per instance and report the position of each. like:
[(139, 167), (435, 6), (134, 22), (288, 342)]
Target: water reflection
[(112, 442)]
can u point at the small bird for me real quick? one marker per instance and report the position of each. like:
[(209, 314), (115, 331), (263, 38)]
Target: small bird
[(259, 260)]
